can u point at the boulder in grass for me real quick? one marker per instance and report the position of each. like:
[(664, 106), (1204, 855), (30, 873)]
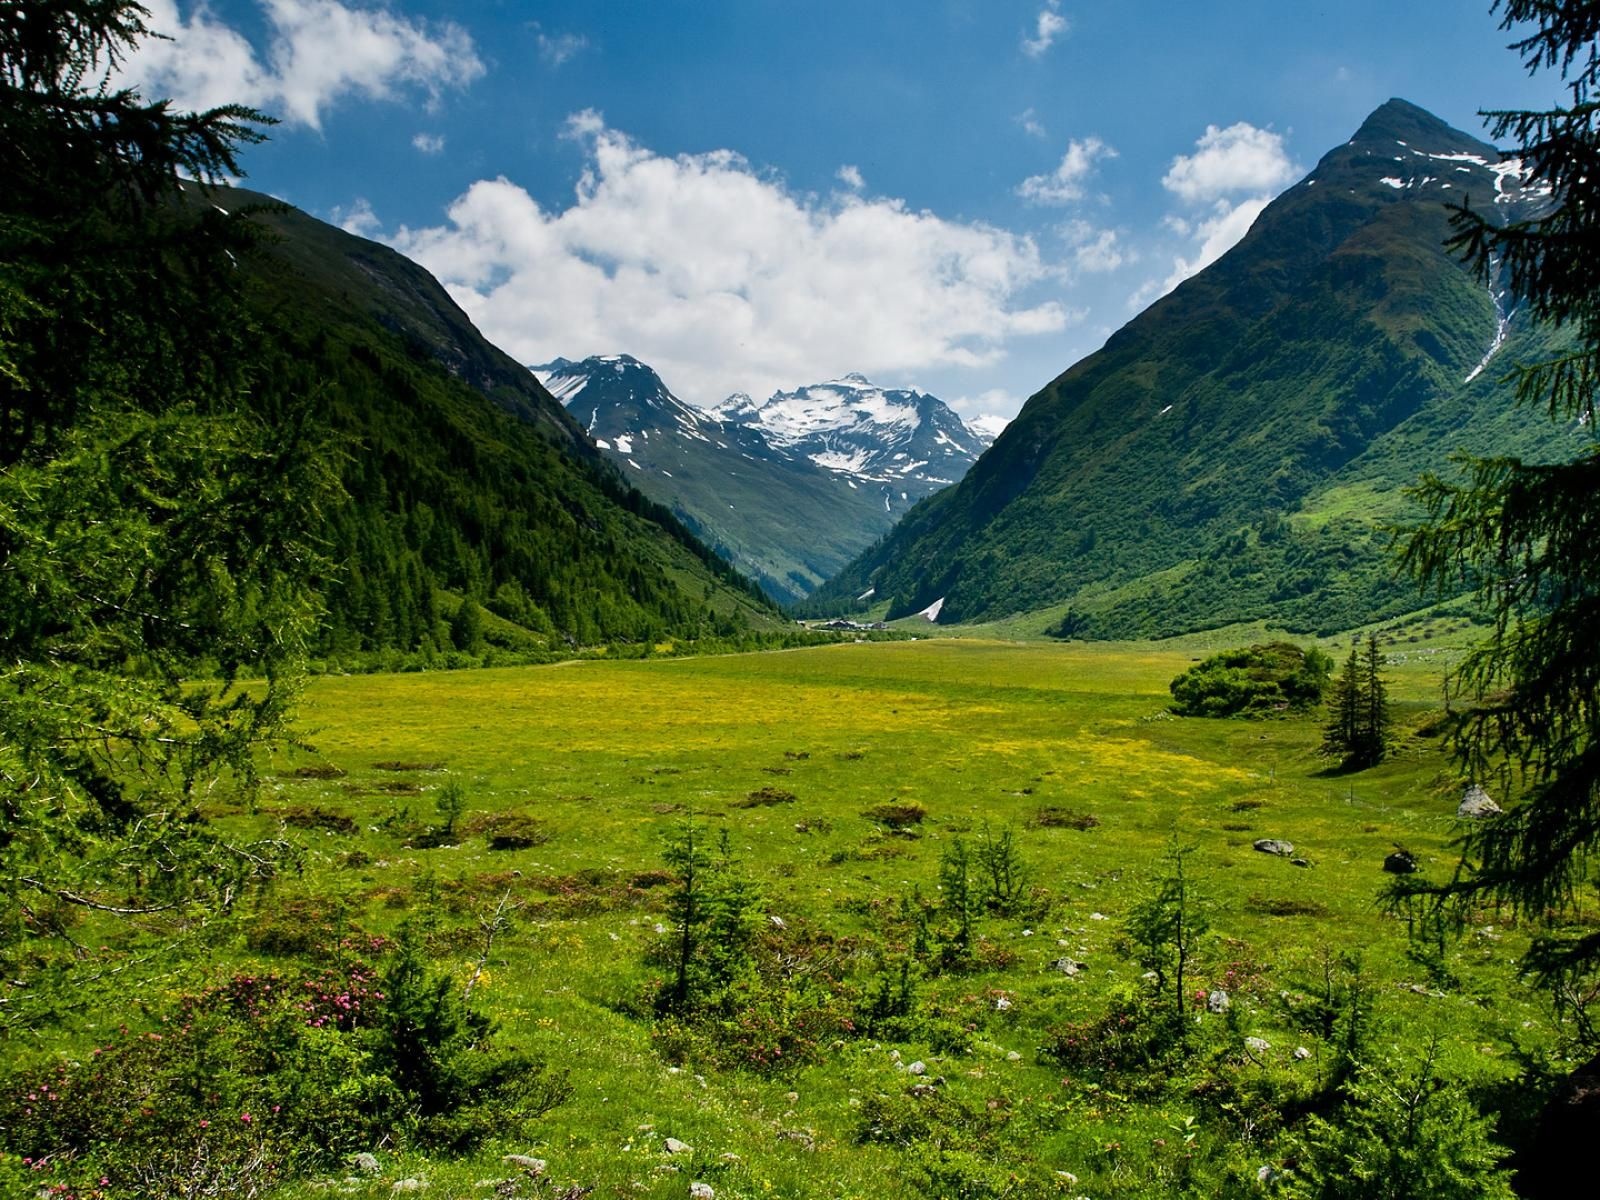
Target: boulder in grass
[(1276, 846), (1476, 804), (1400, 862)]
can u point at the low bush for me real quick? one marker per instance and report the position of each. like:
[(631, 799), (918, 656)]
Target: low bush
[(1253, 682), (765, 797), (265, 1076), (897, 815)]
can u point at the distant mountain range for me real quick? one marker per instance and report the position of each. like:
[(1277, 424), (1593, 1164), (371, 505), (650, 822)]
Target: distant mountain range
[(1236, 450), (788, 490)]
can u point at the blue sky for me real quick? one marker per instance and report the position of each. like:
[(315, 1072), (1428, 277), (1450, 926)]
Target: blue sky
[(962, 195)]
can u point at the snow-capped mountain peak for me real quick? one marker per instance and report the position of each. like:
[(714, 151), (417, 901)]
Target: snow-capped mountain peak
[(850, 425)]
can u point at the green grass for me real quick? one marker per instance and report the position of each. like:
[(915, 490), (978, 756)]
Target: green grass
[(609, 755)]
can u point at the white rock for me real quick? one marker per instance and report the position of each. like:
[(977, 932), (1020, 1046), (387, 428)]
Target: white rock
[(674, 1146), (1257, 1045), (701, 1191), (1476, 805), (918, 1068)]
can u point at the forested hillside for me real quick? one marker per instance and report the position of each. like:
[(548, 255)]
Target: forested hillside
[(464, 477)]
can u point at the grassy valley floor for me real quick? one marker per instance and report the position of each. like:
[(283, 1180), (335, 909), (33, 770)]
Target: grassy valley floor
[(1070, 747)]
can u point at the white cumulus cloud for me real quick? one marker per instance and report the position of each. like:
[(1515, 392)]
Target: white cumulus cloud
[(850, 176), (1066, 183), (1049, 26), (723, 278), (1095, 250), (560, 48), (1240, 158), (317, 52), (429, 143)]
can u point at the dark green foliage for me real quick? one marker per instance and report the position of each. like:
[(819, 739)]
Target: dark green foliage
[(1253, 682), (960, 903), (466, 627), (266, 1075), (1525, 534), (152, 525), (432, 1045), (451, 803), (1003, 872), (1169, 927), (1360, 729), (714, 911), (1402, 1132)]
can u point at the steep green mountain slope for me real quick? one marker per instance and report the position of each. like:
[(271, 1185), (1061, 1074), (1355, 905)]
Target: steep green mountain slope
[(465, 478), (1233, 452)]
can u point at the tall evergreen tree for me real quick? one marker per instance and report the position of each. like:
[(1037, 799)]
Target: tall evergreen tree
[(1376, 722), (1358, 729), (1529, 534), (1344, 709), (153, 528)]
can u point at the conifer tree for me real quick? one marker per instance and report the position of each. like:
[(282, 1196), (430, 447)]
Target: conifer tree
[(154, 530), (1528, 535), (1344, 708), (1375, 724), (1358, 729)]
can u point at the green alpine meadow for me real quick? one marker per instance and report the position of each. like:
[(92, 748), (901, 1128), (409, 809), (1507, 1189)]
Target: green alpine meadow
[(418, 780)]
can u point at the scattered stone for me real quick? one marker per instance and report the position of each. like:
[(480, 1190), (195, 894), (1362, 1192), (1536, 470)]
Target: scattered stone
[(1066, 966), (533, 1166), (1299, 862), (701, 1191), (1027, 933), (1218, 1002), (1257, 1045), (1476, 805), (368, 1163), (803, 1138), (1276, 846), (1301, 1054), (1013, 1056), (1097, 916), (1066, 1177), (1002, 1004), (918, 1068), (674, 1146), (778, 922), (1400, 862), (1266, 1175), (728, 1156), (407, 1185)]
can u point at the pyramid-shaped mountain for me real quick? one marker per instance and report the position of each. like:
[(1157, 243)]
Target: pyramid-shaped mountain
[(1237, 451)]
